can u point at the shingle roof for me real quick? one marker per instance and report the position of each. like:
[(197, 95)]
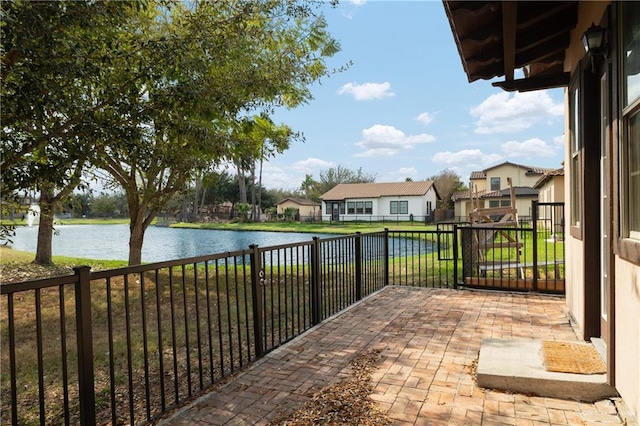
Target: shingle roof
[(478, 175), (376, 190)]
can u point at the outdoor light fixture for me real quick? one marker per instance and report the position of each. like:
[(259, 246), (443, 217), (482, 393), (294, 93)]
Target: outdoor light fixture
[(593, 40)]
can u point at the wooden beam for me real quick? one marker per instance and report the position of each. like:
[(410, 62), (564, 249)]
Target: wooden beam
[(509, 24), (534, 83)]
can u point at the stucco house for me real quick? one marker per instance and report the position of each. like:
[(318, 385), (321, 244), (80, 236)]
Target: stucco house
[(307, 210), (490, 188), (402, 201), (551, 187), (592, 50)]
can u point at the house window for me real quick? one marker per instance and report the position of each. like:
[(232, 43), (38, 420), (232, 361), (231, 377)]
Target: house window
[(505, 203), (360, 207), (576, 158), (399, 207), (494, 203), (495, 183), (351, 207), (368, 207), (630, 214)]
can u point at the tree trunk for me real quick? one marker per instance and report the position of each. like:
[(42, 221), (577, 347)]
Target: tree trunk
[(196, 205), (260, 190), (45, 229), (242, 183), (136, 235), (253, 191)]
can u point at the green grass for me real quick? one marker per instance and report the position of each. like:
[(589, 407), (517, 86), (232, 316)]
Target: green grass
[(319, 228), (10, 258), (78, 221)]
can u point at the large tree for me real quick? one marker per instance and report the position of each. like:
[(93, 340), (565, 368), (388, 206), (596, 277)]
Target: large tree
[(332, 177), (258, 138), (447, 182), (203, 66), (157, 86), (52, 54)]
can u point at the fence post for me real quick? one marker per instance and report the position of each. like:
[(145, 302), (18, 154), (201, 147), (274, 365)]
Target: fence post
[(386, 257), (86, 390), (316, 306), (455, 255), (257, 285), (534, 246), (359, 260)]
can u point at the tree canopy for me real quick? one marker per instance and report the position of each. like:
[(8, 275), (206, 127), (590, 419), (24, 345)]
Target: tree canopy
[(331, 177), (147, 91), (447, 182)]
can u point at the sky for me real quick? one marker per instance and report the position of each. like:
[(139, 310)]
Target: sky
[(405, 108)]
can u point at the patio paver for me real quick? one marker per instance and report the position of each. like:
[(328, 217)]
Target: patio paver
[(429, 341)]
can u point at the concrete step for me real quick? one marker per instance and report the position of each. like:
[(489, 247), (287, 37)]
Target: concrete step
[(518, 366)]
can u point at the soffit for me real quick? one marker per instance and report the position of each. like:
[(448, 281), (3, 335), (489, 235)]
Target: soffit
[(494, 38)]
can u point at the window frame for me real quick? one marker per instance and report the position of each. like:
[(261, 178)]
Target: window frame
[(628, 246), (576, 153), (399, 207), (492, 186)]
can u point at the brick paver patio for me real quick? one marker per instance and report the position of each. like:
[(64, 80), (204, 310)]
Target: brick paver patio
[(429, 341)]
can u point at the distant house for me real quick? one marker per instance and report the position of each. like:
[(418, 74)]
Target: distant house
[(402, 201), (551, 187), (307, 210), (490, 188)]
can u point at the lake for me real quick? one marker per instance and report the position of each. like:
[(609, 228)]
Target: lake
[(111, 242)]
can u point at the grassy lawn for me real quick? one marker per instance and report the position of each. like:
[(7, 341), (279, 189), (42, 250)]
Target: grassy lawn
[(320, 228)]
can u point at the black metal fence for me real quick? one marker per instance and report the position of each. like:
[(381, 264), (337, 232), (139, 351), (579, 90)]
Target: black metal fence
[(527, 257), (125, 346)]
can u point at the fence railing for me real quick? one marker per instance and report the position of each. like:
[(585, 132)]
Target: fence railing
[(526, 258), (125, 346)]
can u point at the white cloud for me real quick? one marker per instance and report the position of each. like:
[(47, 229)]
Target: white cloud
[(503, 113), (407, 171), (367, 91), (399, 175), (559, 140), (311, 164), (466, 158), (530, 148), (359, 2), (380, 140), (425, 118), (377, 152), (290, 177)]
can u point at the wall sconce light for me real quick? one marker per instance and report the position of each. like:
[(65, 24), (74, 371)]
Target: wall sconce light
[(594, 40)]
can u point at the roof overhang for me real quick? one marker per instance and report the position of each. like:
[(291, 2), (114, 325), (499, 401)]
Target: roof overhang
[(494, 38)]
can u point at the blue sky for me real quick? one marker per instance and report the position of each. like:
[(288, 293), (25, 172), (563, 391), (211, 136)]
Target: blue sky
[(405, 108)]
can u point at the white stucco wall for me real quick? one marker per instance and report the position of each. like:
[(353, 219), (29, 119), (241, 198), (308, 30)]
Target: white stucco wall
[(417, 206)]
